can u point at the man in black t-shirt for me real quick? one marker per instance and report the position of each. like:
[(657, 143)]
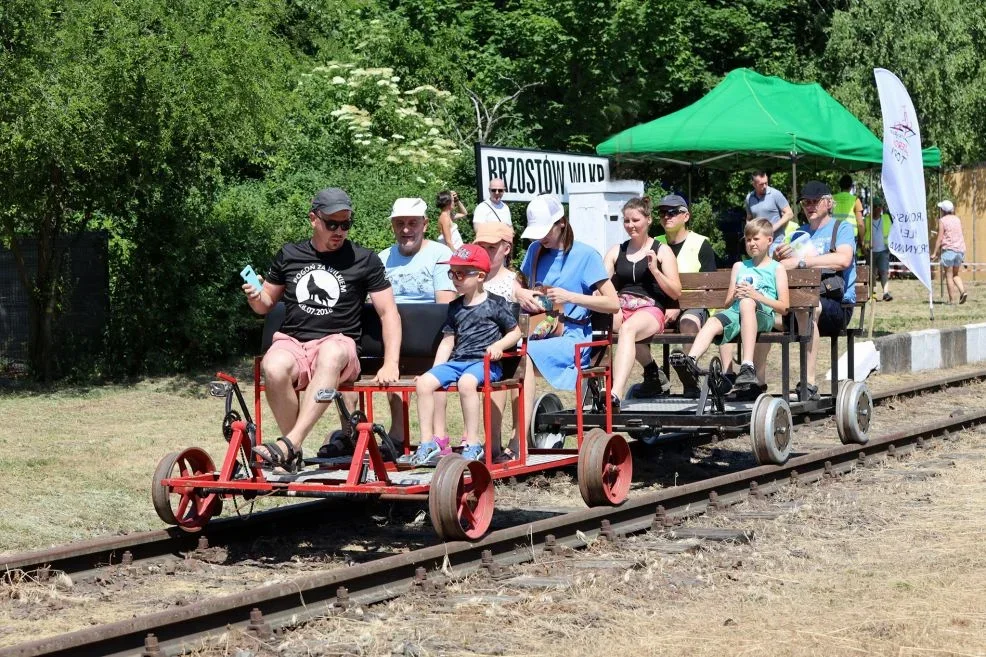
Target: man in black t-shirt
[(323, 283)]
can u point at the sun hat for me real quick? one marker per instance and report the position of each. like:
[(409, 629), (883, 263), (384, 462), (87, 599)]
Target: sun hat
[(542, 213), (493, 232), (947, 206), (409, 207)]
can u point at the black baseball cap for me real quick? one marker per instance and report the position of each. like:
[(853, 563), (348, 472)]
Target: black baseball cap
[(673, 201), (814, 189), (330, 200)]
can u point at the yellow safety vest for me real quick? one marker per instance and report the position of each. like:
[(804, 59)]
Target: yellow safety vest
[(844, 210), (884, 224), (688, 262)]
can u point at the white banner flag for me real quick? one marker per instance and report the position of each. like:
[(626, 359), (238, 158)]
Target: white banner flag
[(903, 176)]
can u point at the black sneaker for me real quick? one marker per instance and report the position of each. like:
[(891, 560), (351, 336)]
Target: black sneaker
[(614, 402), (747, 377), (887, 296), (655, 382), (812, 392)]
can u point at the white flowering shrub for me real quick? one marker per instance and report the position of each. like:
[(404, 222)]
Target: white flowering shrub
[(363, 116)]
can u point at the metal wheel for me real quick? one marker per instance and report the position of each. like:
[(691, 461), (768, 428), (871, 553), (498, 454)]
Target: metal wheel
[(184, 506), (546, 403), (605, 468), (853, 413), (771, 430), (460, 499)]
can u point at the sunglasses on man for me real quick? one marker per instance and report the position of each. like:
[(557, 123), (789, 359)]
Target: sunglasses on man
[(332, 225), (671, 212), (497, 190)]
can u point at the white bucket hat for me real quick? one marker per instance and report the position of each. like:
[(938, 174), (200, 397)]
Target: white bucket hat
[(542, 213), (409, 207)]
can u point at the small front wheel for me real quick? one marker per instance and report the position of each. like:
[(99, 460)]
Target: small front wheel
[(460, 499), (853, 413), (771, 430), (184, 505), (605, 468)]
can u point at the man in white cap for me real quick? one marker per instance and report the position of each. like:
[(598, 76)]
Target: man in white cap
[(412, 263), (413, 269), (323, 282), (494, 209)]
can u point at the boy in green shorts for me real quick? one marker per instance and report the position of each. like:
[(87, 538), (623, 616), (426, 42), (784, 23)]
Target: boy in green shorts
[(757, 290)]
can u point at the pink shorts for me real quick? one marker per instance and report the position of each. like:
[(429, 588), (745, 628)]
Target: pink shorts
[(653, 311), (305, 354)]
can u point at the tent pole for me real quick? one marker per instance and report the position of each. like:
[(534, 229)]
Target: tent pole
[(690, 167), (873, 295), (794, 179)]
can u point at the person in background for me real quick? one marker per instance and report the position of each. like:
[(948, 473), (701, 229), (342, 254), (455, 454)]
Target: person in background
[(766, 201), (448, 202), (645, 275), (849, 208), (569, 274), (494, 209), (877, 236), (951, 246)]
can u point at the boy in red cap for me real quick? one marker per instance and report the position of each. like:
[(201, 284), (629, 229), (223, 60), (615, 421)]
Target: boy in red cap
[(478, 323)]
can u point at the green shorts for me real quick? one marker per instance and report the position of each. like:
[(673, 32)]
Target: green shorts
[(730, 320)]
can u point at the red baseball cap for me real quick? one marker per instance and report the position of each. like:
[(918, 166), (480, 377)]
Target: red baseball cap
[(470, 255)]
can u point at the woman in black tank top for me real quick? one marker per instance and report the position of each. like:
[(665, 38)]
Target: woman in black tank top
[(645, 275)]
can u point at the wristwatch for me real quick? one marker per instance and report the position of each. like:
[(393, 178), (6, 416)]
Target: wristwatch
[(802, 264)]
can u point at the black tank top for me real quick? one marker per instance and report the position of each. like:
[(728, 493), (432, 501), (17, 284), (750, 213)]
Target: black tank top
[(635, 277)]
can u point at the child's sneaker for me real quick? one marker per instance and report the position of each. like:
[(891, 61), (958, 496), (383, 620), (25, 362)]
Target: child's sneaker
[(428, 453), (473, 452)]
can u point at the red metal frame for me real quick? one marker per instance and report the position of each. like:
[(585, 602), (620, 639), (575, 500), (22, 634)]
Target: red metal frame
[(366, 444)]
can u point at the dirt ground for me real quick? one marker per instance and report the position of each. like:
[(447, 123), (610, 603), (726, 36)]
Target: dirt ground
[(886, 560)]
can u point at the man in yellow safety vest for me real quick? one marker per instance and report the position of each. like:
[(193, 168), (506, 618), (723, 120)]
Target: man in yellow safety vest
[(877, 234), (848, 207)]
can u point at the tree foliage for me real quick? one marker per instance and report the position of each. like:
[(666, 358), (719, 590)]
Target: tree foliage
[(194, 132)]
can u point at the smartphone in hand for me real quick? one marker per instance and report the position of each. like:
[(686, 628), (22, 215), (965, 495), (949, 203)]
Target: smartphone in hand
[(250, 277)]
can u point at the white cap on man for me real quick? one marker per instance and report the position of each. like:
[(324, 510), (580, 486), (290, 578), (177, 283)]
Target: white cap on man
[(542, 213), (409, 207), (947, 207)]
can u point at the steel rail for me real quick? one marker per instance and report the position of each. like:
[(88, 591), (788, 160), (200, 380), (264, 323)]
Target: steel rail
[(84, 557), (292, 602)]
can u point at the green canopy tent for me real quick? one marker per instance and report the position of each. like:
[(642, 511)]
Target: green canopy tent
[(749, 120)]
